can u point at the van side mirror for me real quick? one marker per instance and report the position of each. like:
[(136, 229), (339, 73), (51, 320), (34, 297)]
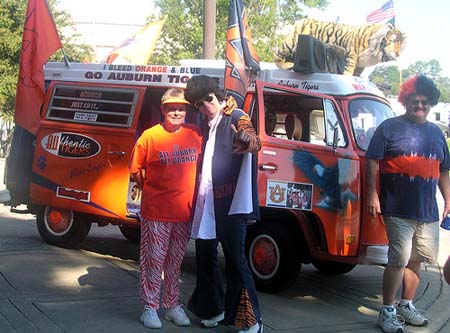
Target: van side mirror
[(335, 138)]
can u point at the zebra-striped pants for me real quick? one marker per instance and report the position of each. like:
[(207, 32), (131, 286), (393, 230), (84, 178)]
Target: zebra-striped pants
[(163, 246)]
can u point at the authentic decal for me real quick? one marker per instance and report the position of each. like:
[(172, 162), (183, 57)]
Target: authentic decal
[(70, 145), (69, 193)]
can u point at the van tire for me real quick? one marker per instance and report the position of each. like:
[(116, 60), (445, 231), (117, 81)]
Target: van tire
[(60, 227), (130, 233), (274, 258), (332, 268)]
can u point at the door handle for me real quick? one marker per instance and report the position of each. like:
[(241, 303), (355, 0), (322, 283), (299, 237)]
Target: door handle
[(268, 167), (119, 153)]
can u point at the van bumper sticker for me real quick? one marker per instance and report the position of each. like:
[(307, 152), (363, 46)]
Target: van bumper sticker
[(68, 193), (52, 186), (290, 195), (70, 145), (83, 116)]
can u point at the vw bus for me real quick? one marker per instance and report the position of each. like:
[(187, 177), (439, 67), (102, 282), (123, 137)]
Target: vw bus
[(314, 128)]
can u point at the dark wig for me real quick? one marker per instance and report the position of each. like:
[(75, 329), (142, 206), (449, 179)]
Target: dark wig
[(199, 86), (419, 85)]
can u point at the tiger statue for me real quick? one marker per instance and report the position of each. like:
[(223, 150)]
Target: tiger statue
[(364, 45)]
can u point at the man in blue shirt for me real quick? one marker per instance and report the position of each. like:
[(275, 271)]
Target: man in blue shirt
[(412, 159)]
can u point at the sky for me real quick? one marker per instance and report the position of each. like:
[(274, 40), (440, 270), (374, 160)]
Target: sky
[(425, 23)]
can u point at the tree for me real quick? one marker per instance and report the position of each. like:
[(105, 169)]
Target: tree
[(182, 35), (443, 84), (430, 68), (389, 77), (74, 47), (12, 16)]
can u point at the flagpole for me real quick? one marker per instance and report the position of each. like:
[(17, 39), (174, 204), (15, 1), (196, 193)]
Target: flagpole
[(66, 60), (209, 29)]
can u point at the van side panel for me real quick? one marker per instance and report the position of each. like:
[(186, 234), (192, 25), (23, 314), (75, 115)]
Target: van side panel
[(300, 170), (83, 165), (97, 184)]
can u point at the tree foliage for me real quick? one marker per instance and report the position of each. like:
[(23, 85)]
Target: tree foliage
[(182, 35), (12, 16), (388, 77), (74, 47)]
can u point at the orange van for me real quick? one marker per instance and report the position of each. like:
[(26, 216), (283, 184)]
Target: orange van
[(314, 130)]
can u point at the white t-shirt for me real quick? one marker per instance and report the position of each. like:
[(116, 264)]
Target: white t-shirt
[(204, 222)]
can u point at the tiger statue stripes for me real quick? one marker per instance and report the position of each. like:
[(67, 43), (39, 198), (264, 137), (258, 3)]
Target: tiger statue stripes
[(364, 45)]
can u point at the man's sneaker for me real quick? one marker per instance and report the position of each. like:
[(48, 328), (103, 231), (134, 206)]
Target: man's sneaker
[(150, 318), (412, 315), (389, 321), (214, 321), (177, 316), (257, 328)]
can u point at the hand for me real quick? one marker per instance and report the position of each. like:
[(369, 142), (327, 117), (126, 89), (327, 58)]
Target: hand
[(445, 211), (373, 205), (242, 140)]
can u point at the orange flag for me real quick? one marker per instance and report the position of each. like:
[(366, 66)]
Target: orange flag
[(241, 59), (137, 49), (40, 41)]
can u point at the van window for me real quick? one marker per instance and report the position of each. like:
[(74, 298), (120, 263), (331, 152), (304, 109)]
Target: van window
[(92, 105), (317, 125), (366, 115), (332, 123), (301, 118)]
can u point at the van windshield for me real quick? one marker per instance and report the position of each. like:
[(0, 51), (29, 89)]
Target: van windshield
[(366, 115)]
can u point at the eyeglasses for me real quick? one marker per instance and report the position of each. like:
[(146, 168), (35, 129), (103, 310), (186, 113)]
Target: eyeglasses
[(416, 102), (201, 102), (173, 108)]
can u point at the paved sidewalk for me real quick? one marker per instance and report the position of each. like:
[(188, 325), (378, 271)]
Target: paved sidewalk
[(48, 289)]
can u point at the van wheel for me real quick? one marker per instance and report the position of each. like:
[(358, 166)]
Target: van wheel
[(273, 257), (131, 233), (61, 227), (332, 268)]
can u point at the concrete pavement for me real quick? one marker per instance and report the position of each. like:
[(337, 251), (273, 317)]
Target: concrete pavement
[(95, 288)]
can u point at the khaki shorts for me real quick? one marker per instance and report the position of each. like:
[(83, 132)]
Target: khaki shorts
[(411, 240)]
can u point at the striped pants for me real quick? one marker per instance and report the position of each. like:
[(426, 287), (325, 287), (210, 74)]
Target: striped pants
[(163, 246)]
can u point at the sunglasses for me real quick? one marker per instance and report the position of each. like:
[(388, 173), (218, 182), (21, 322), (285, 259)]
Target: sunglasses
[(415, 102), (201, 102)]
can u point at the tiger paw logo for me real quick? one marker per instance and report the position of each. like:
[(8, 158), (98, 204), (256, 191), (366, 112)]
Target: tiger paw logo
[(41, 162)]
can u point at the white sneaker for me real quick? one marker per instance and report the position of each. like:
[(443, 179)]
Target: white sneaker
[(412, 315), (257, 328), (150, 318), (389, 321), (214, 321), (177, 316)]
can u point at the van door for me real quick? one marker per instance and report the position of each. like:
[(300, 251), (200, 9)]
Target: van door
[(83, 148), (307, 166)]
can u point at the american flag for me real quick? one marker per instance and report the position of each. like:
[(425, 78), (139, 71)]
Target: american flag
[(383, 14)]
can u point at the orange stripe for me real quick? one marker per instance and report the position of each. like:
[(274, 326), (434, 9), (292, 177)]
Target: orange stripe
[(413, 166)]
